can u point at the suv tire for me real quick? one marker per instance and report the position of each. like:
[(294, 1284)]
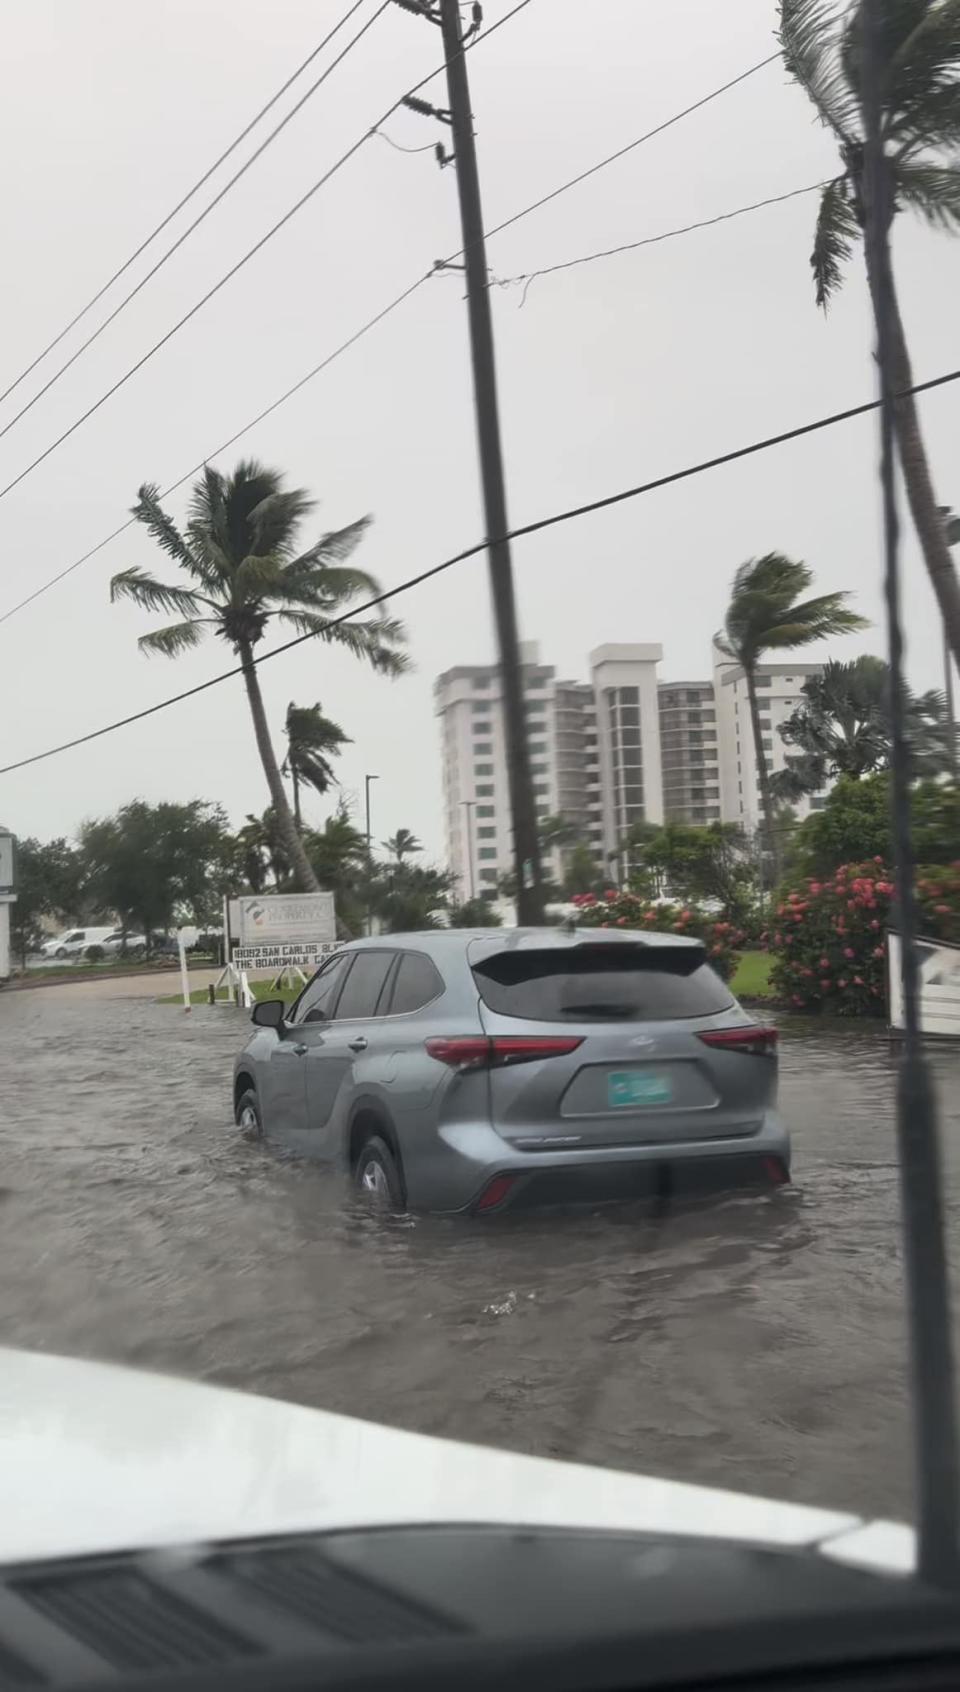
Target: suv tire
[(377, 1176), (247, 1116)]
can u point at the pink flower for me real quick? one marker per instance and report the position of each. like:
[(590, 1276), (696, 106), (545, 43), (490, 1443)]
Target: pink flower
[(942, 910), (878, 860), (840, 983), (649, 916), (878, 951), (824, 963), (604, 925), (874, 923), (797, 999), (858, 981), (849, 952), (685, 914), (815, 887), (621, 922), (826, 986), (611, 893)]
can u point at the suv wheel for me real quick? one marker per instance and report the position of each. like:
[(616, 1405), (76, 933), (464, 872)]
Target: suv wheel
[(247, 1116), (377, 1177)]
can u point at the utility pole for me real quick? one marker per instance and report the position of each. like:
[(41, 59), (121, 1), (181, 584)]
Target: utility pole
[(952, 528), (469, 806), (526, 847), (366, 798)]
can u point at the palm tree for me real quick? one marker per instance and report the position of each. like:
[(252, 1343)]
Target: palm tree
[(766, 614), (312, 740), (402, 845), (842, 727), (920, 130), (239, 548)]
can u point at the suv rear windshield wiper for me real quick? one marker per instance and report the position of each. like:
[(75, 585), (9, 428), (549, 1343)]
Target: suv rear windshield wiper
[(598, 1007)]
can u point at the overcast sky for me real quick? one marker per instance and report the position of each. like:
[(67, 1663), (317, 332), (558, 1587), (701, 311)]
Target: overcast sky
[(610, 374)]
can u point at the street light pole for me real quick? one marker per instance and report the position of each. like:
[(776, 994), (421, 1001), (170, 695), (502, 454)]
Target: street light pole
[(366, 795), (951, 526), (468, 805)]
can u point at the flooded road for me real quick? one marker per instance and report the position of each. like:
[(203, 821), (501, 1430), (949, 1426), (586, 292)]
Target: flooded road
[(754, 1343)]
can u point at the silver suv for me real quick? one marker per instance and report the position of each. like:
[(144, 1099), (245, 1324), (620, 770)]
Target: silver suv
[(476, 1070)]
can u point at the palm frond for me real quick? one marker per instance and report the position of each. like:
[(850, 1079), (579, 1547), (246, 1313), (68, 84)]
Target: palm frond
[(923, 53), (809, 36), (932, 122), (931, 190), (151, 514), (814, 619), (171, 641), (837, 230), (257, 577), (152, 595), (334, 547), (374, 640), (326, 587), (275, 520)]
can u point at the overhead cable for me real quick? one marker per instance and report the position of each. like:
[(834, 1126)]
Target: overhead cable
[(247, 256), (188, 196), (541, 523), (178, 243)]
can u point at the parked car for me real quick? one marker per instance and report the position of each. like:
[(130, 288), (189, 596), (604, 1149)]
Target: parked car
[(482, 1070), (73, 942), (113, 946)]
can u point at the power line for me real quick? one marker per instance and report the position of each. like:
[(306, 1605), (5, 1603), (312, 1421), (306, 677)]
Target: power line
[(251, 253), (529, 276), (224, 191), (344, 346), (200, 182), (363, 330), (621, 152), (472, 551)]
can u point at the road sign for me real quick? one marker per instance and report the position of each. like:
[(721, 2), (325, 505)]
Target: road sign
[(300, 954), (269, 919), (938, 988)]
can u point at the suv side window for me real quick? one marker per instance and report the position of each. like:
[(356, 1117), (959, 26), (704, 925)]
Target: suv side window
[(416, 982), (364, 987), (316, 1001)]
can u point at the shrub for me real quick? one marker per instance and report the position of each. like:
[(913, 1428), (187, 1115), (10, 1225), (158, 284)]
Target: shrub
[(828, 936), (94, 954), (633, 910)]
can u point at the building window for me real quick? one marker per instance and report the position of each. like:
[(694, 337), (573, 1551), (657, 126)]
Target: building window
[(486, 811), (480, 681), (536, 681), (482, 726), (484, 792), (538, 769), (817, 804), (483, 749), (767, 681), (766, 743), (629, 695), (482, 770), (537, 746), (486, 834), (488, 875), (540, 787), (487, 852)]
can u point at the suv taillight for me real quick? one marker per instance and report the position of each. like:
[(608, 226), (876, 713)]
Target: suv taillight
[(477, 1051), (752, 1041)]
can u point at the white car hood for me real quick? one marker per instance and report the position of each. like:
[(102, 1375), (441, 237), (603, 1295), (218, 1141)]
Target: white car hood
[(97, 1458)]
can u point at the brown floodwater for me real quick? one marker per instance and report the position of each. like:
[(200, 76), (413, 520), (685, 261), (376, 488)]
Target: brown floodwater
[(755, 1343)]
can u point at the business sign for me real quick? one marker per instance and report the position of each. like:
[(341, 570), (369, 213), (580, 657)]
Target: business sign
[(8, 861), (300, 954), (269, 919), (938, 986)]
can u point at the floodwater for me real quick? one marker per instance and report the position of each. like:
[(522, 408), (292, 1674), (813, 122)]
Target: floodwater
[(755, 1343)]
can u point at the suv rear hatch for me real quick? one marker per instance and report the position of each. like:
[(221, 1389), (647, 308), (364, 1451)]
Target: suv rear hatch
[(642, 1043)]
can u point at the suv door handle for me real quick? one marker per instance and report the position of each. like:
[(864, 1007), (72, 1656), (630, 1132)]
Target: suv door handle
[(358, 1045)]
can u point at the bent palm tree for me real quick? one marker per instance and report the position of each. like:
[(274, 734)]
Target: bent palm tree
[(842, 727), (920, 129), (402, 845), (766, 614), (312, 740), (239, 548)]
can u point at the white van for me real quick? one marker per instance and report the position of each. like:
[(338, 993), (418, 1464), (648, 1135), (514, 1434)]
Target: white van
[(74, 941)]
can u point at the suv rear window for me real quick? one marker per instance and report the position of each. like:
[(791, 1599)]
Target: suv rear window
[(628, 983)]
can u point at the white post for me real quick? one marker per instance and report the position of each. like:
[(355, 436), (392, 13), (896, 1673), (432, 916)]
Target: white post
[(184, 974), (246, 997)]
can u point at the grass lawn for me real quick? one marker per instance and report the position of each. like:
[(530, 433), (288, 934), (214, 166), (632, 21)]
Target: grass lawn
[(259, 989), (752, 978)]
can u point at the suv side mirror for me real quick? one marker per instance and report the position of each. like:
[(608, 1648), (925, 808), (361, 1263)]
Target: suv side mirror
[(269, 1013)]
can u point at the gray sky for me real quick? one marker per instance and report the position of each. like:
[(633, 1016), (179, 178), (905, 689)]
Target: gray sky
[(610, 374)]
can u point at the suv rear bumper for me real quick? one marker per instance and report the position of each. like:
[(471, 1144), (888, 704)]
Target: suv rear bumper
[(459, 1170)]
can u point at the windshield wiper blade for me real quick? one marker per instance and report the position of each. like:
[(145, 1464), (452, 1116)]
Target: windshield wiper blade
[(598, 1007)]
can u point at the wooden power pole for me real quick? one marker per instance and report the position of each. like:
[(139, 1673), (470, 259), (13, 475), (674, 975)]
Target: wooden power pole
[(526, 849)]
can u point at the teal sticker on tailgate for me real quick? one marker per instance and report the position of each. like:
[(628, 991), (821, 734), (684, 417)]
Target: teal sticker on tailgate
[(635, 1087)]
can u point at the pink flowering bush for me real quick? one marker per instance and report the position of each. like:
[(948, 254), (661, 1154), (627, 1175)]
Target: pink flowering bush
[(633, 910), (828, 937)]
